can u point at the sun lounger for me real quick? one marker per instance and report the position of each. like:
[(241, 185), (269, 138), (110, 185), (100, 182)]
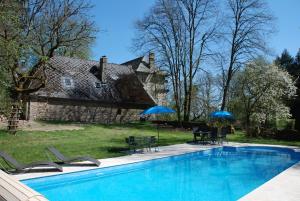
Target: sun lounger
[(19, 167), (67, 160)]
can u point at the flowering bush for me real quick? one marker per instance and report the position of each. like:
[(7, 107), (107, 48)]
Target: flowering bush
[(260, 93)]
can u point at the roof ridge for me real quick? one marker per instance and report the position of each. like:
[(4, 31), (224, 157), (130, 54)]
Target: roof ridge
[(92, 60), (141, 57), (59, 56)]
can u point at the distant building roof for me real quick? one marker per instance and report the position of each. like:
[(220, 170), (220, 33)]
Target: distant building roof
[(142, 64), (121, 87), (134, 63)]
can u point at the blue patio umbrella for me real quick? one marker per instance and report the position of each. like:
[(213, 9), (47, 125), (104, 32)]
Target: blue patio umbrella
[(157, 110), (222, 115)]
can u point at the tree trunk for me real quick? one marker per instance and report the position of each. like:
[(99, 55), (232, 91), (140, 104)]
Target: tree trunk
[(185, 108), (225, 90), (247, 126), (177, 97), (227, 84)]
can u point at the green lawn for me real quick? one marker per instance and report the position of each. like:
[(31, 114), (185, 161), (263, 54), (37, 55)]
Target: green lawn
[(240, 137), (99, 141)]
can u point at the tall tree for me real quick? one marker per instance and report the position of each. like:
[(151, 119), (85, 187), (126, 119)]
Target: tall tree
[(297, 58), (247, 23), (205, 98), (292, 65), (180, 31), (285, 60), (33, 31)]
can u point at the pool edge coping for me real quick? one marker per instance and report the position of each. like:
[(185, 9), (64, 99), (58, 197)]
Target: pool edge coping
[(257, 193), (275, 188)]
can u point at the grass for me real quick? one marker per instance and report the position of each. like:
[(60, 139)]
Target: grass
[(99, 141), (239, 136)]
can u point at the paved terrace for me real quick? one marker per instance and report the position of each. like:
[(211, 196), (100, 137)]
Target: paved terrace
[(283, 187)]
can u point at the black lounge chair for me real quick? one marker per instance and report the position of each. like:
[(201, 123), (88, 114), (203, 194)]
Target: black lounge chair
[(66, 160), (19, 167)]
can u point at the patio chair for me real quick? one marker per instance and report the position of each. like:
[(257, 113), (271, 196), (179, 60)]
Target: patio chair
[(196, 133), (19, 167), (66, 160), (214, 135), (203, 133), (223, 135), (152, 142), (131, 143)]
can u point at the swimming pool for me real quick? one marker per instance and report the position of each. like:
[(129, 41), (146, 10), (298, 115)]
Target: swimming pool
[(226, 174)]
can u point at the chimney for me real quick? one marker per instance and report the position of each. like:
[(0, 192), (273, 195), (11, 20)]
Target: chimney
[(151, 59), (102, 66)]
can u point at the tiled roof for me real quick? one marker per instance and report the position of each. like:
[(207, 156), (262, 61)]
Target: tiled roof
[(121, 87), (141, 64), (135, 63)]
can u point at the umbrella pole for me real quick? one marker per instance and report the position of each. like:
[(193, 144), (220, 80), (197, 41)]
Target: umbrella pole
[(157, 133), (157, 127)]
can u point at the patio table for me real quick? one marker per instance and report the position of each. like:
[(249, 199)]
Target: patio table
[(204, 136), (141, 142)]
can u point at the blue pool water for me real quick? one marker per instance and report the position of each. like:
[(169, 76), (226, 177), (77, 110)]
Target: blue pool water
[(220, 174)]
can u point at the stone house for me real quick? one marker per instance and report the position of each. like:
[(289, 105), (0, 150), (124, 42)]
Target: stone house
[(97, 91), (153, 79)]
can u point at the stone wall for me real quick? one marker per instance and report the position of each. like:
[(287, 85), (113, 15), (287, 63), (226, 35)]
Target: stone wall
[(156, 86), (80, 112), (158, 92)]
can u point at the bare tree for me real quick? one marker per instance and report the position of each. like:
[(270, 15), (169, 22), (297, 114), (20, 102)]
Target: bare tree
[(180, 31), (162, 30), (205, 97), (248, 25), (34, 31)]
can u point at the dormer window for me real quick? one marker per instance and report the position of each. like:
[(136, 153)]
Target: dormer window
[(68, 82), (97, 84)]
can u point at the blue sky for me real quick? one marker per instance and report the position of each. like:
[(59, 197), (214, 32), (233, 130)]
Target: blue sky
[(115, 19)]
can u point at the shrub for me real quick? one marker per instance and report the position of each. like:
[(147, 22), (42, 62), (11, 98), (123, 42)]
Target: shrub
[(287, 134), (268, 133)]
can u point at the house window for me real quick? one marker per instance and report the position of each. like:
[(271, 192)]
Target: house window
[(97, 84), (68, 82)]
